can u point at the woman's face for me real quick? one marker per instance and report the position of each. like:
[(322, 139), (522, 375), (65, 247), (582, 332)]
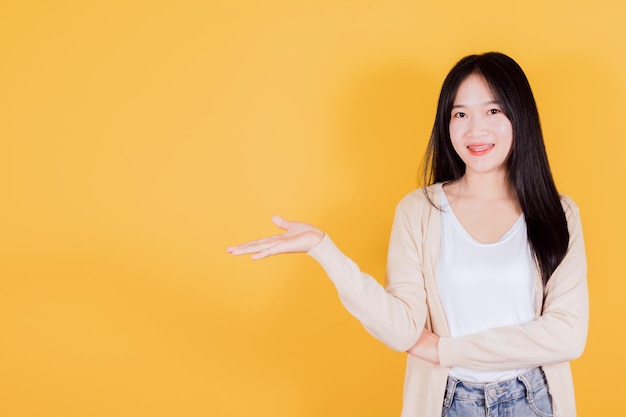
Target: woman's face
[(481, 134)]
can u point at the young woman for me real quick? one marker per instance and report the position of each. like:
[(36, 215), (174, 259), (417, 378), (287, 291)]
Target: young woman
[(486, 276)]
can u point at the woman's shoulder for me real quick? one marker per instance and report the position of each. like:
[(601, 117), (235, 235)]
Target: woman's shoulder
[(421, 198), (568, 204), (572, 212)]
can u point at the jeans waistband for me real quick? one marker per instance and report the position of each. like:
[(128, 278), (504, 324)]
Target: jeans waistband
[(524, 385)]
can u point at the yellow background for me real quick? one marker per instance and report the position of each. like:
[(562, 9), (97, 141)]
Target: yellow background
[(140, 138)]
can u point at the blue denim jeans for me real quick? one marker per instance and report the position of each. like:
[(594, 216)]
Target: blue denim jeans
[(524, 396)]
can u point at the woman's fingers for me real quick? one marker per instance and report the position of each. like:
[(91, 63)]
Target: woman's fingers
[(297, 238), (253, 246), (426, 347), (252, 242), (280, 222), (272, 250)]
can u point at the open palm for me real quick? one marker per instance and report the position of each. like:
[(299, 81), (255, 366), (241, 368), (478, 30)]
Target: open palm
[(298, 238)]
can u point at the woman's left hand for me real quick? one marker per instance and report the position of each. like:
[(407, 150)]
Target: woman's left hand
[(426, 347)]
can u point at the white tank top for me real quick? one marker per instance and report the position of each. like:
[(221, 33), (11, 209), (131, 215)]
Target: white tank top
[(483, 286)]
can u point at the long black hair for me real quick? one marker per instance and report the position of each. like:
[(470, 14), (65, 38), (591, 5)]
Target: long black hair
[(528, 170)]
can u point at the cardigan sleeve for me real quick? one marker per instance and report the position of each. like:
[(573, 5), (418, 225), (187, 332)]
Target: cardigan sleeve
[(558, 335), (395, 314)]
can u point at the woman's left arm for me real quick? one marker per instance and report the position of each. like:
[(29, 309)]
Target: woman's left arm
[(558, 335)]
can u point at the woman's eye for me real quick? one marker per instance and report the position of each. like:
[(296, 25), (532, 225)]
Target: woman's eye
[(460, 114), (494, 111)]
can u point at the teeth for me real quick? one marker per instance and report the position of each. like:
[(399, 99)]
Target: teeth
[(479, 148)]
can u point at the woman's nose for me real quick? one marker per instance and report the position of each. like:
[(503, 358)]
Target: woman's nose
[(476, 127)]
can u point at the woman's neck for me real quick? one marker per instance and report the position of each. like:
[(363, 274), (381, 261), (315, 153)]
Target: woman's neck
[(486, 186)]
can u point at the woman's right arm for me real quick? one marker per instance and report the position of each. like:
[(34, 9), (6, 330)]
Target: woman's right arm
[(394, 314)]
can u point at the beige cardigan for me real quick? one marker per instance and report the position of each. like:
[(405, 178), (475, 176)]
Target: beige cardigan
[(397, 313)]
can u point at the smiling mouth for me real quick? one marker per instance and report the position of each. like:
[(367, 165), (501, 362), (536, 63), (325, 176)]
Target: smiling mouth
[(480, 149)]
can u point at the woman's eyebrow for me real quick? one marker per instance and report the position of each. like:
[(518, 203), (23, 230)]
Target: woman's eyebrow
[(480, 104)]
